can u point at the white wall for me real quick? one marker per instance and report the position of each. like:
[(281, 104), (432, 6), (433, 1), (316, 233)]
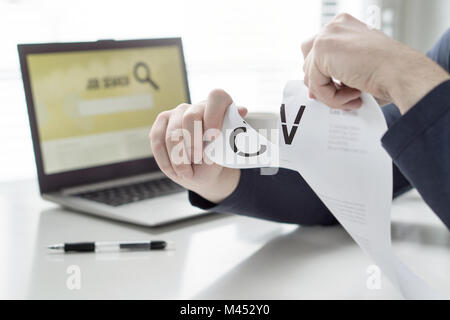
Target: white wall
[(420, 23)]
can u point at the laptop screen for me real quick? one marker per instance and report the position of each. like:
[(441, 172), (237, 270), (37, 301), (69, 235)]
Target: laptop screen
[(96, 107)]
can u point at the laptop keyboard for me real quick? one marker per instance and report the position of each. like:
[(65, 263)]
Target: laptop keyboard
[(117, 196)]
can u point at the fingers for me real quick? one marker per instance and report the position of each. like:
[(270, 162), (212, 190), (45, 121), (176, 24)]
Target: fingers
[(319, 84), (306, 49), (354, 104), (216, 106), (307, 46), (193, 132), (317, 78), (175, 144), (158, 143), (348, 19), (347, 97), (306, 68), (242, 111), (177, 135), (322, 87)]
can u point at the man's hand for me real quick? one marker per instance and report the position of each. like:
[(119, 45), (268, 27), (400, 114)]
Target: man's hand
[(365, 59), (177, 143)]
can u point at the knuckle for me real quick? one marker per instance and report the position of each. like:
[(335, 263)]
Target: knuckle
[(179, 167), (220, 95), (304, 47), (162, 116), (333, 27), (154, 135), (173, 136), (157, 145), (324, 44), (168, 139), (190, 116), (344, 16), (218, 92), (183, 105), (320, 44)]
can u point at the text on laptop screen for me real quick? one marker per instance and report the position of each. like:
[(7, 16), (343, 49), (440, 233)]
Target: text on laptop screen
[(97, 107)]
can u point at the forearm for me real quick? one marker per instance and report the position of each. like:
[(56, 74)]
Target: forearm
[(413, 77)]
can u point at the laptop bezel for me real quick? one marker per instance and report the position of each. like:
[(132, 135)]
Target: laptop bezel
[(55, 182)]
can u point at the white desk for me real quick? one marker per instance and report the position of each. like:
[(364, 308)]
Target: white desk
[(216, 256)]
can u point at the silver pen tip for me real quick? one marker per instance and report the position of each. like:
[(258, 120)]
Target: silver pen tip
[(54, 247)]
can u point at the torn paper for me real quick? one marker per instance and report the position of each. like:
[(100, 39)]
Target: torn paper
[(339, 154)]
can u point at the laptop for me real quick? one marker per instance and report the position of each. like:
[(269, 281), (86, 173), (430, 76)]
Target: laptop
[(91, 106)]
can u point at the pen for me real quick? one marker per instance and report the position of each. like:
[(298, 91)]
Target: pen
[(109, 246)]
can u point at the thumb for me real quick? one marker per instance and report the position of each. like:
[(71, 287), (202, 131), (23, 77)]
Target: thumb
[(242, 111), (216, 106)]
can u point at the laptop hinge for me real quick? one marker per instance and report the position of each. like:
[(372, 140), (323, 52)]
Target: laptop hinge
[(112, 183)]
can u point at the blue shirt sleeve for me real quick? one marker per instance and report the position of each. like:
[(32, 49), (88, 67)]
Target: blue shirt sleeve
[(440, 53), (419, 145)]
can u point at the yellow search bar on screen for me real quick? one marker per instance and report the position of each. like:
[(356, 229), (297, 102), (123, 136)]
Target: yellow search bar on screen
[(115, 104)]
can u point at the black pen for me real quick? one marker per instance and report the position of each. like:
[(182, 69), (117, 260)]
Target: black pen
[(109, 246)]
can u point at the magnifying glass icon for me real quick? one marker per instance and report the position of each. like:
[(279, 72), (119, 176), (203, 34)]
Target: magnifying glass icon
[(142, 74)]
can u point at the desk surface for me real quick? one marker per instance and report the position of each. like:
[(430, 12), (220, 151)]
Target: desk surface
[(216, 256)]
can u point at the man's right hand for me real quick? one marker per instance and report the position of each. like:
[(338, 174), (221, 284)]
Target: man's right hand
[(365, 59), (178, 147)]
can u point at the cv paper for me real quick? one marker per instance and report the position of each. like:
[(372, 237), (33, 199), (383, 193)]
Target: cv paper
[(339, 154)]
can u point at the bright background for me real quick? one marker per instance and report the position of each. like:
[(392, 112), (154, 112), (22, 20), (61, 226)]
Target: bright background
[(249, 48)]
